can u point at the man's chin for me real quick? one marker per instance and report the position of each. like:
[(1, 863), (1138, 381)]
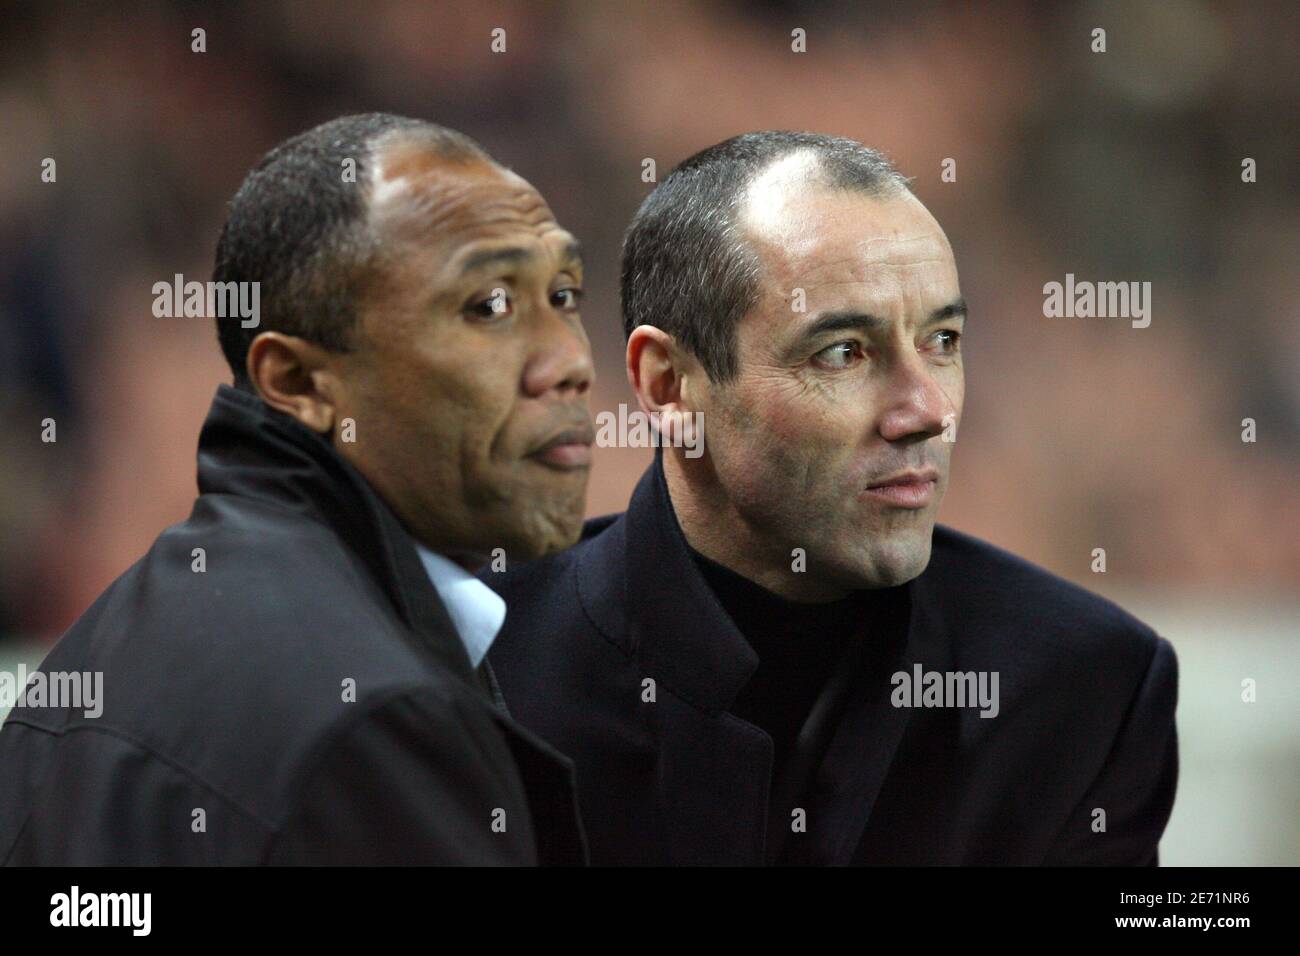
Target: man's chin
[(548, 537), (564, 538), (894, 564)]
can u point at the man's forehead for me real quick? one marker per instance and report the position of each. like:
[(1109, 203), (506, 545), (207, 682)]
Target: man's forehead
[(772, 197), (827, 250), (415, 190), (809, 230)]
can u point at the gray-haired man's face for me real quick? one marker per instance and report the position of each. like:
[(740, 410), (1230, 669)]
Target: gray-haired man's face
[(836, 434)]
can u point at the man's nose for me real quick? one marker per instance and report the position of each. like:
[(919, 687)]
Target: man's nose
[(561, 362), (915, 406)]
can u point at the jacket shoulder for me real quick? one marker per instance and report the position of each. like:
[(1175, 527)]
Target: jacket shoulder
[(234, 673), (566, 620), (1024, 606), (537, 579), (383, 755)]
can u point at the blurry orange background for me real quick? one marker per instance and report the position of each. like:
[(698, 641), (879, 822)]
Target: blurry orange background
[(1078, 433)]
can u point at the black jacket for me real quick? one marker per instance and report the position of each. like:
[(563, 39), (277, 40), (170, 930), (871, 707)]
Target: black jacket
[(1086, 718), (225, 736)]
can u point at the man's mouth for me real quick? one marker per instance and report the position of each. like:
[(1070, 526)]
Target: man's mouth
[(907, 489), (567, 450)]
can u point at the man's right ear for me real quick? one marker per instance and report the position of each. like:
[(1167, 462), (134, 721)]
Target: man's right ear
[(670, 385), (294, 376), (655, 370)]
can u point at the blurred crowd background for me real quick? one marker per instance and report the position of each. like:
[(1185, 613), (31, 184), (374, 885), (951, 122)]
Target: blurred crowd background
[(1078, 433)]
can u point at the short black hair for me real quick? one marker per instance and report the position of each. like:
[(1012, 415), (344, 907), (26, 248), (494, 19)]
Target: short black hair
[(686, 266), (300, 230)]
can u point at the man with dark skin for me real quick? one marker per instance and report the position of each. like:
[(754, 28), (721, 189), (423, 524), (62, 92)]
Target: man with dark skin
[(296, 674), (776, 655), (469, 397)]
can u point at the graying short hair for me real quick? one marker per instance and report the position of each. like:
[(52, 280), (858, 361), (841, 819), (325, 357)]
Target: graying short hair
[(687, 268)]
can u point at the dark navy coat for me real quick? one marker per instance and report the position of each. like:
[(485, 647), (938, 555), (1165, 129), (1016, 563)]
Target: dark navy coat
[(1078, 767)]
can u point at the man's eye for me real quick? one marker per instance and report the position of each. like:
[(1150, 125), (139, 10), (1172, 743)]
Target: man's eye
[(495, 305), (839, 355), (949, 341), (567, 298)]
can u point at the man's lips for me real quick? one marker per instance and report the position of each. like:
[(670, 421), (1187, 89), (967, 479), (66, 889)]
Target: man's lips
[(567, 450), (907, 489)]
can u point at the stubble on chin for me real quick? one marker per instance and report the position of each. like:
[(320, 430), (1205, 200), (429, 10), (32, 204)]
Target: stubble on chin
[(550, 527)]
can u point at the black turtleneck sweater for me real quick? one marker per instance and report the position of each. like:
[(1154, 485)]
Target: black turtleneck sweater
[(798, 646)]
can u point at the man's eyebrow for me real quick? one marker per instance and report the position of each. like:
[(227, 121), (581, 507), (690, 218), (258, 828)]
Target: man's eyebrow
[(843, 321), (954, 309), (515, 255), (491, 257), (572, 254)]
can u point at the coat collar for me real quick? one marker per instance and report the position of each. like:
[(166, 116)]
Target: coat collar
[(661, 607), (250, 450)]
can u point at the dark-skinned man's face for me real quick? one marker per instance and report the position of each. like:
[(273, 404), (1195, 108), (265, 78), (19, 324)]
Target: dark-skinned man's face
[(469, 379), (832, 401)]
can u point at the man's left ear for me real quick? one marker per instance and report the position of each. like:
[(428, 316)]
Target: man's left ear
[(296, 377)]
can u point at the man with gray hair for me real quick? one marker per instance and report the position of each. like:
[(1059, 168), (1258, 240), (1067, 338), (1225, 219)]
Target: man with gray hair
[(775, 655)]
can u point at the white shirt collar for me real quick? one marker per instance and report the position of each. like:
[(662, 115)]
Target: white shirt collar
[(477, 611)]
